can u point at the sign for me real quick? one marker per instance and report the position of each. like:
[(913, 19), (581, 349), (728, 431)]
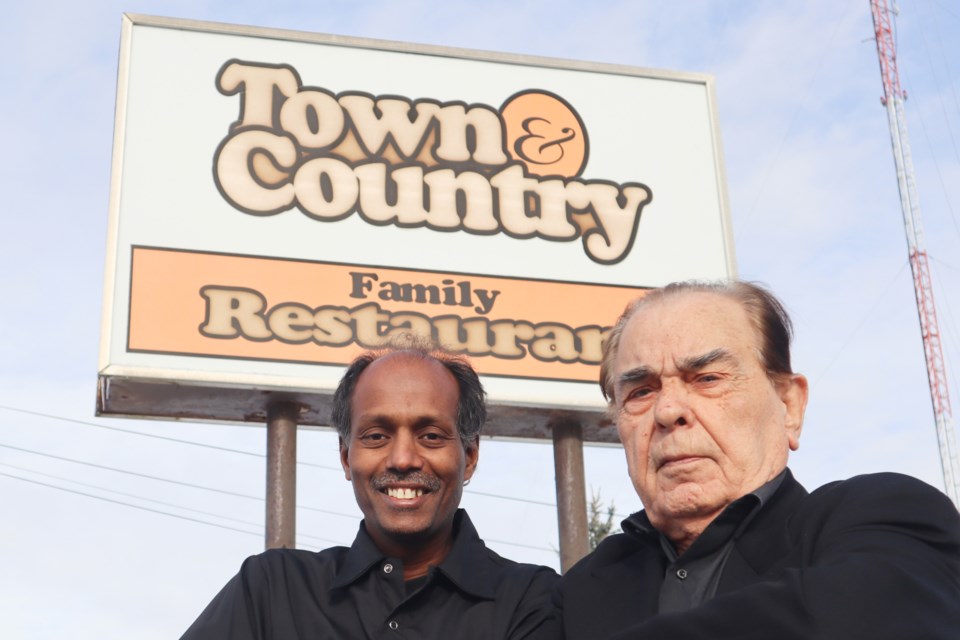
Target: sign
[(282, 201)]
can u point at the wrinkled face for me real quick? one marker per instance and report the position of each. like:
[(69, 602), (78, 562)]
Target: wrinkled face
[(700, 421), (405, 458)]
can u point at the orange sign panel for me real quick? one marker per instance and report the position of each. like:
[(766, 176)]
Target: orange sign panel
[(283, 310)]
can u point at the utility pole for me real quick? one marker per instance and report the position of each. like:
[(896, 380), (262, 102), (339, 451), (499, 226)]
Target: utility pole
[(893, 98)]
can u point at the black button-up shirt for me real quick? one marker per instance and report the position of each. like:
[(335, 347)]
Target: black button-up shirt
[(356, 593), (692, 578)]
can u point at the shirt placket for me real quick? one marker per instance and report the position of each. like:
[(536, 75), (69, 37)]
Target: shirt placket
[(391, 575)]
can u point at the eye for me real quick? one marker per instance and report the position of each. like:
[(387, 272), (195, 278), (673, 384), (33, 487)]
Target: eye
[(435, 437), (638, 399), (708, 378), (373, 438), (638, 393), (710, 383)]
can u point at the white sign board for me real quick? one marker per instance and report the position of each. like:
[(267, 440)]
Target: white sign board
[(282, 201)]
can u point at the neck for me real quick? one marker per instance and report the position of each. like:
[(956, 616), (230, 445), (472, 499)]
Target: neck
[(683, 542), (683, 533), (417, 562), (416, 554)]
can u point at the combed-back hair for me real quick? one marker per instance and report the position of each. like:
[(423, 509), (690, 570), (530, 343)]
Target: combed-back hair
[(765, 311), (471, 405)]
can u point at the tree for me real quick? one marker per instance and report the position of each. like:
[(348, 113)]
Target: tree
[(600, 524)]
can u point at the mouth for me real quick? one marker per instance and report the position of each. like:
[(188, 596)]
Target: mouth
[(678, 461), (406, 488), (404, 493)]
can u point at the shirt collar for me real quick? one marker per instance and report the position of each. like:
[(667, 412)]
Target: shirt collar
[(466, 565), (362, 555), (766, 491)]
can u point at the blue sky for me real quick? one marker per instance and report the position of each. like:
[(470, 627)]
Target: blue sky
[(815, 211)]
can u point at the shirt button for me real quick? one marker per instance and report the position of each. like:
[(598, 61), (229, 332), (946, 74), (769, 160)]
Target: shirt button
[(388, 568), (393, 624), (682, 574)]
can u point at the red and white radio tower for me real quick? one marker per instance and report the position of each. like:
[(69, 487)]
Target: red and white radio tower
[(893, 97)]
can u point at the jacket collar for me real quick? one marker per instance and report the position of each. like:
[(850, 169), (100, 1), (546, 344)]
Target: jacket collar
[(467, 565), (759, 546), (766, 540)]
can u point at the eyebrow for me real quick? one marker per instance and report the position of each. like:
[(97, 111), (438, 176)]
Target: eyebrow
[(634, 375), (390, 420), (692, 363), (696, 363)]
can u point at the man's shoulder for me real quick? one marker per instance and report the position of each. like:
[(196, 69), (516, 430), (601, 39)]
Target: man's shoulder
[(496, 560), (511, 570), (612, 587), (879, 497), (616, 550), (472, 552), (885, 487), (283, 560)]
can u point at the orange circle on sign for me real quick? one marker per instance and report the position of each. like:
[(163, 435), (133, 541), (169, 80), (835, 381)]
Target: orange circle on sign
[(545, 133)]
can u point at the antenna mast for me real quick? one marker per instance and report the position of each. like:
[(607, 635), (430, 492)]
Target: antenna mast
[(893, 98)]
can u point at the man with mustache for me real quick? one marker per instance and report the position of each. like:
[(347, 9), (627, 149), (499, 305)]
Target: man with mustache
[(409, 418), (729, 545)]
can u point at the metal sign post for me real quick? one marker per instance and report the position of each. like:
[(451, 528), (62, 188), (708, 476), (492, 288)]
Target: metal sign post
[(281, 516), (571, 492)]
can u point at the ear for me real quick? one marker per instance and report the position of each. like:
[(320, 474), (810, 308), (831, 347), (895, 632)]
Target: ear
[(793, 393), (472, 456), (344, 460)]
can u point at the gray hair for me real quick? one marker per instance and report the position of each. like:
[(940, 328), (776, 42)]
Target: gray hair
[(765, 311)]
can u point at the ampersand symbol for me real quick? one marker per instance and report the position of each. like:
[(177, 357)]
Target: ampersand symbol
[(545, 133), (536, 147)]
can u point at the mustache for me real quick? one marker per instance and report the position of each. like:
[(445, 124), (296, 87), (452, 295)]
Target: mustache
[(426, 480)]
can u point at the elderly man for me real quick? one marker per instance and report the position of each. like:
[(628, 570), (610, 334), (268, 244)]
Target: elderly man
[(729, 545), (409, 419)]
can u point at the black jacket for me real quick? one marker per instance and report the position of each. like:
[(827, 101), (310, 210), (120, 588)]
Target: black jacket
[(874, 557)]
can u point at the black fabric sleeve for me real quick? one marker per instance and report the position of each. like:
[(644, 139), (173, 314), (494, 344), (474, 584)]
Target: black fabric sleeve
[(233, 614), (534, 617)]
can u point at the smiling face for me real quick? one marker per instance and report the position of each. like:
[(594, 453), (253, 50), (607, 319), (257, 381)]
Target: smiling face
[(405, 458), (700, 421)]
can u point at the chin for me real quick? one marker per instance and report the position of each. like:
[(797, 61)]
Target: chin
[(405, 526), (689, 501)]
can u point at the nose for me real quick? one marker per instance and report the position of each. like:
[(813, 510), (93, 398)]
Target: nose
[(672, 408), (404, 453)]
